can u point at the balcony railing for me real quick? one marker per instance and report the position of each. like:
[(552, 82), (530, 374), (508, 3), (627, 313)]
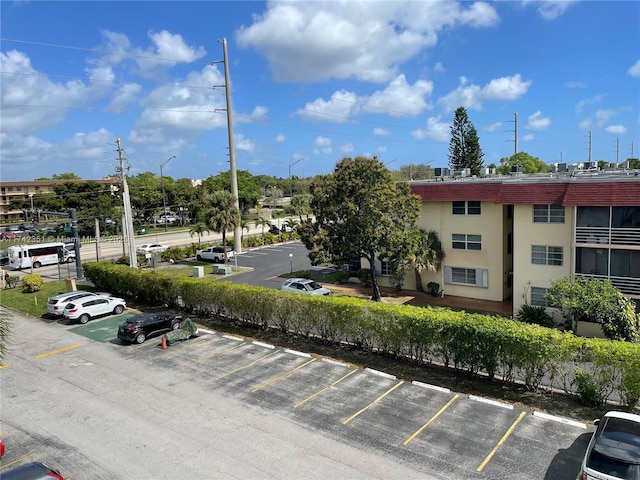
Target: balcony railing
[(607, 236), (627, 285)]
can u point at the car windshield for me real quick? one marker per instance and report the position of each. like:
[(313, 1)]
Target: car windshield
[(611, 466), (313, 285)]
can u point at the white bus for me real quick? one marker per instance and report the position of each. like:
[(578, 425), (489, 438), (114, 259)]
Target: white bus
[(24, 256)]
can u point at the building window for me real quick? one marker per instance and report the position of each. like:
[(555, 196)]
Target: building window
[(474, 277), (538, 298), (545, 255), (509, 243), (461, 241), (385, 267), (548, 214), (470, 207)]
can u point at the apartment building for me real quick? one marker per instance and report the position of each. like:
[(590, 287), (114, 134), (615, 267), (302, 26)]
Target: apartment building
[(27, 190), (511, 237)]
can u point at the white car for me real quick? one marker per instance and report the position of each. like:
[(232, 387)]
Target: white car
[(55, 305), (151, 248), (215, 254), (304, 285), (614, 450), (86, 308)]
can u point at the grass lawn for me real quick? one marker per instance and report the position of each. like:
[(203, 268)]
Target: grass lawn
[(34, 304)]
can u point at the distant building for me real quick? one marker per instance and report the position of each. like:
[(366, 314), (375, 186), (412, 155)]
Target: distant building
[(511, 237), (24, 190)]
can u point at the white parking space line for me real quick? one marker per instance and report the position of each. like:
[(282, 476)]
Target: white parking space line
[(491, 402), (554, 418)]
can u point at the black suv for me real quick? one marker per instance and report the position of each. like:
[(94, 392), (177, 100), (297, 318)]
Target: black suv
[(140, 327)]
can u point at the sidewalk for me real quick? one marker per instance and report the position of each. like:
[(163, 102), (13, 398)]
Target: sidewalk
[(421, 299)]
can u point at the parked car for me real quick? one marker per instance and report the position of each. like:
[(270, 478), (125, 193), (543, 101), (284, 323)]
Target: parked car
[(32, 471), (140, 327), (304, 285), (86, 308), (151, 248), (614, 450), (215, 254), (56, 305), (1, 448), (8, 236), (274, 230), (4, 258)]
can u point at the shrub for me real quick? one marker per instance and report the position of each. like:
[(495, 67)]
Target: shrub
[(433, 288), (535, 315), (364, 275), (32, 282), (587, 388)]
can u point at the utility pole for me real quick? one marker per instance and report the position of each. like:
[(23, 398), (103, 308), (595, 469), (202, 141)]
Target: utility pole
[(127, 225), (515, 132), (589, 145), (617, 151), (237, 232)]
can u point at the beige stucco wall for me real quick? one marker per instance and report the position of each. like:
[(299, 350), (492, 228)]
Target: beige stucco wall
[(490, 225), (525, 234)]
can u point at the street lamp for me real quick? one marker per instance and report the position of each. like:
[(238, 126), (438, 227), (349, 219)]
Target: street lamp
[(291, 178), (164, 199), (291, 261)]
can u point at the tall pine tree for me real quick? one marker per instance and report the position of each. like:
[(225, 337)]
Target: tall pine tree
[(464, 147)]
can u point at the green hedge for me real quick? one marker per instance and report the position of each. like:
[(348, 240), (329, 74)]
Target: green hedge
[(480, 344)]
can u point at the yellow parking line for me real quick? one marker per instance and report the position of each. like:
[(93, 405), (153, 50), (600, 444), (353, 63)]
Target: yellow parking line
[(319, 392), (284, 375), (247, 366), (17, 460), (344, 422), (499, 444), (213, 355), (6, 365), (60, 350), (431, 420)]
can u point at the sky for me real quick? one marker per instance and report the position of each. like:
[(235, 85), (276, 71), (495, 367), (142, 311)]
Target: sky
[(310, 83)]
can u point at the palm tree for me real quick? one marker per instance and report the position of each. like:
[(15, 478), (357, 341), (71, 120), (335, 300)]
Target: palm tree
[(291, 223), (244, 225), (223, 215), (260, 221), (420, 250), (198, 229)]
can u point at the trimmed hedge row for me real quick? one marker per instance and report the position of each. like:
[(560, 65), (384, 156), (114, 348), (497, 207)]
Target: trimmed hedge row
[(480, 344)]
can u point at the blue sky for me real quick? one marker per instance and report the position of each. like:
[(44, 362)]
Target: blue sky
[(311, 82)]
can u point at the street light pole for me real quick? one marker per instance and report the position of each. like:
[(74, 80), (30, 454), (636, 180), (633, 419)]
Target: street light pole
[(291, 261), (164, 199), (291, 178)]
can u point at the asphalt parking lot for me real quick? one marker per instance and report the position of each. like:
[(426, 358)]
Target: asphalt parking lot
[(447, 434)]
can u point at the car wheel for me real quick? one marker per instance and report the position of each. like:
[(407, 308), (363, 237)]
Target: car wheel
[(71, 259), (175, 326), (118, 310), (199, 258), (140, 338), (84, 318), (37, 265)]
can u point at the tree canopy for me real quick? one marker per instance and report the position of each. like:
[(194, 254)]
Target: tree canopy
[(223, 215), (529, 163), (464, 146), (583, 298), (360, 212)]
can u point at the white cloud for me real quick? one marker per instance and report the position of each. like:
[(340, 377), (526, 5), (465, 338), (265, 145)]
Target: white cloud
[(494, 127), (473, 96), (280, 138), (397, 99), (381, 132), (575, 84), (527, 137), (439, 68), (323, 145), (634, 70), (347, 148), (589, 101), (537, 122), (243, 144), (434, 130), (316, 41), (124, 96), (551, 9), (616, 129)]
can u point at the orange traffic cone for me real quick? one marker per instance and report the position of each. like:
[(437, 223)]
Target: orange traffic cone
[(164, 342)]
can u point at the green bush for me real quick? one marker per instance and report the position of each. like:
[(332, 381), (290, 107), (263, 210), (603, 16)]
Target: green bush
[(32, 282), (364, 275), (433, 288), (535, 315), (587, 388)]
